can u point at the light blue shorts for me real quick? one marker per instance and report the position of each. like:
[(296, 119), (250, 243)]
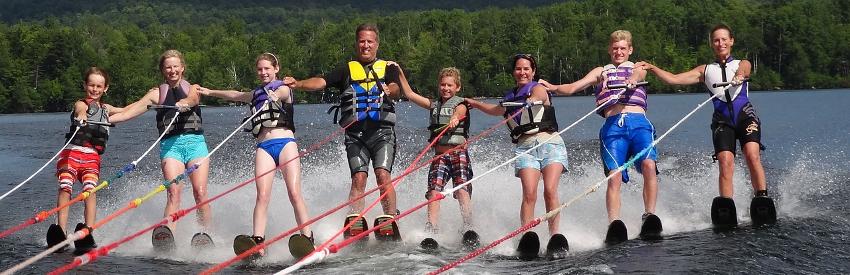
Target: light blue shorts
[(622, 137), (183, 147), (553, 151)]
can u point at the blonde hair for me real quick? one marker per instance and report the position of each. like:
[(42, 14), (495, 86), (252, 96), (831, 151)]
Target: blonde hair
[(619, 35), (169, 54), (450, 72)]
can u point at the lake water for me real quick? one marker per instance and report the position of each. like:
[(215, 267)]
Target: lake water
[(806, 134)]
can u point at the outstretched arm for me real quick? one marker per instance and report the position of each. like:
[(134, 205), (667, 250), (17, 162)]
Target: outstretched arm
[(136, 108), (693, 76), (487, 108), (231, 95), (310, 84), (408, 91), (568, 89)]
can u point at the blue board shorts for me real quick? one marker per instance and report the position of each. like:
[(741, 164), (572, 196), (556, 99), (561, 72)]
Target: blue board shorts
[(622, 137), (553, 151), (183, 147)]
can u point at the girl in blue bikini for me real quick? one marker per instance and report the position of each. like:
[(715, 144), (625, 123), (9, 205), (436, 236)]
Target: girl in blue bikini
[(274, 129)]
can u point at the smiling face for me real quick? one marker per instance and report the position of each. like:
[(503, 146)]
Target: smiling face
[(448, 87), (367, 46), (620, 52), (721, 43), (266, 71), (523, 72), (172, 69), (95, 86)]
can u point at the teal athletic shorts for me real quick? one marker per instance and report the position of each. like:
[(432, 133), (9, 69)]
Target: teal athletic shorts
[(183, 147)]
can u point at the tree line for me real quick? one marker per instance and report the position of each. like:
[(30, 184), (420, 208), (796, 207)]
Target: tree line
[(797, 44)]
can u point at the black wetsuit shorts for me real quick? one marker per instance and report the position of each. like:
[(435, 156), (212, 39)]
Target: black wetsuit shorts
[(747, 128), (375, 143)]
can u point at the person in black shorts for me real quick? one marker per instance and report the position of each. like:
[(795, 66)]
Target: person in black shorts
[(734, 115), (368, 85)]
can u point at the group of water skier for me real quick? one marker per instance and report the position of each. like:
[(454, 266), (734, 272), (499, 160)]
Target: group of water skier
[(366, 110)]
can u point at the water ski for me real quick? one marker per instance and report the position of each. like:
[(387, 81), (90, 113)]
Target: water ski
[(470, 240), (300, 246), (723, 215), (202, 241), (529, 246), (429, 244), (617, 233), (358, 227), (762, 211), (557, 247), (86, 244), (387, 232), (162, 239), (244, 243), (55, 235), (651, 228)]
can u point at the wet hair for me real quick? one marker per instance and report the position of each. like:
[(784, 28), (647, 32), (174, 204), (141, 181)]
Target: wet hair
[(169, 54), (367, 27), (450, 72), (97, 71), (620, 35), (720, 27), (525, 56), (270, 57)]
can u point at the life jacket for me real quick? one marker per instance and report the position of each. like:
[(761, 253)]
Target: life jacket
[(441, 114), (272, 114), (728, 101), (533, 117), (92, 135), (187, 122), (364, 99), (612, 75)]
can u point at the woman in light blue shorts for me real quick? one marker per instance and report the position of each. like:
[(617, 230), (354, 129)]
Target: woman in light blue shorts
[(183, 145), (534, 125)]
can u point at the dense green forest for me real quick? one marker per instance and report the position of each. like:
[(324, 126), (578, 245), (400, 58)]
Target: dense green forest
[(45, 47)]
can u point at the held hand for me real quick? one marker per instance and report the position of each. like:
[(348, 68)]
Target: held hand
[(82, 122), (549, 86), (737, 80), (643, 65), (182, 107), (289, 81), (203, 91), (470, 102), (453, 123)]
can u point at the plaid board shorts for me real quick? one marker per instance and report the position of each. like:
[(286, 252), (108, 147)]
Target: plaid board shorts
[(454, 166)]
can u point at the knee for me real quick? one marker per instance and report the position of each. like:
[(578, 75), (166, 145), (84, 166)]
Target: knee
[(529, 197)]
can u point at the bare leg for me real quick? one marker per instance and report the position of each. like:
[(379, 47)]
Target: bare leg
[(650, 185), (753, 157), (727, 168), (358, 186), (465, 202), (171, 168), (292, 176), (433, 211), (529, 178), (551, 179), (90, 213), (62, 198), (612, 196), (199, 180), (263, 163), (389, 202)]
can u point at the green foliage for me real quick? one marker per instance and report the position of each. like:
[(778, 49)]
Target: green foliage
[(45, 48)]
